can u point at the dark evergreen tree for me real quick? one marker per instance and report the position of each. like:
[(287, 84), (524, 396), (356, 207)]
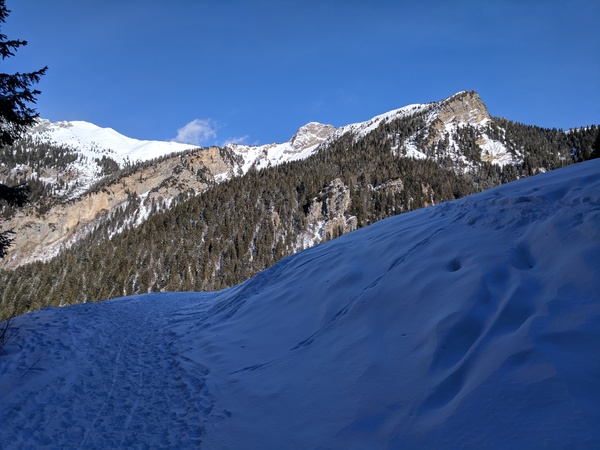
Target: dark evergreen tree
[(16, 114), (596, 152)]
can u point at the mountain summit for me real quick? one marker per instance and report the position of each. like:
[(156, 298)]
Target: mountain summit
[(463, 108), (93, 141), (311, 134)]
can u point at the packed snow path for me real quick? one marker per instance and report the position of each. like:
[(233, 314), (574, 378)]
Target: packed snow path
[(471, 324), (116, 375)]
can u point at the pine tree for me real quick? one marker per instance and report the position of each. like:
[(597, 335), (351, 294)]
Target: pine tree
[(596, 150), (16, 115)]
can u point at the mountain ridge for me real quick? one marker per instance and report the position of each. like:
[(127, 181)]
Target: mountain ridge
[(205, 219), (105, 146)]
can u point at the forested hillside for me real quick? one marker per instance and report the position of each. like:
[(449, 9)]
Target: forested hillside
[(244, 225)]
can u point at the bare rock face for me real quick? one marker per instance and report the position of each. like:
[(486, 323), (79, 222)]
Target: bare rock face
[(40, 236), (463, 108), (329, 210), (311, 134)]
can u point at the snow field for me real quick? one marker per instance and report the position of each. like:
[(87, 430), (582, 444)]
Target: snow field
[(470, 324)]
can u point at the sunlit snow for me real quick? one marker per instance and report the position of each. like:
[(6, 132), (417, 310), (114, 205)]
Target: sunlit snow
[(94, 141)]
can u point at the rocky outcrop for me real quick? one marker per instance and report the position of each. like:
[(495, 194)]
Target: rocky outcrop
[(463, 108), (41, 235), (311, 134), (327, 214)]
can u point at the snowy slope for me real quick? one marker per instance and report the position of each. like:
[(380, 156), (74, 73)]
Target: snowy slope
[(303, 144), (361, 129), (470, 324), (320, 136), (91, 143), (94, 141)]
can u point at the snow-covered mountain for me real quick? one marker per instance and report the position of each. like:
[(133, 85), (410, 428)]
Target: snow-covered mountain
[(302, 145), (88, 175), (80, 199), (441, 121), (92, 143), (470, 324)]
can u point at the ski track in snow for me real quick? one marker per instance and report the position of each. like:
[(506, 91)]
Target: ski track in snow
[(137, 384)]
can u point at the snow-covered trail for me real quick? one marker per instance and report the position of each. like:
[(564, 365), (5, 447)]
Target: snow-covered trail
[(116, 374)]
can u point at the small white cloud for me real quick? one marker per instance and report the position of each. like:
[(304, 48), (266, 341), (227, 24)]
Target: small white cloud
[(198, 132), (237, 140)]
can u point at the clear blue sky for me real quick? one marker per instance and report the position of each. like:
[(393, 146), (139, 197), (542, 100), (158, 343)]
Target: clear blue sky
[(255, 71)]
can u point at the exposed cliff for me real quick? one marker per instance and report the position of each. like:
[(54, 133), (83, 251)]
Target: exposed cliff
[(42, 232)]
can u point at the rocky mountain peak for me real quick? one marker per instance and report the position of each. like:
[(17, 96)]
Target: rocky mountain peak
[(311, 134), (463, 108)]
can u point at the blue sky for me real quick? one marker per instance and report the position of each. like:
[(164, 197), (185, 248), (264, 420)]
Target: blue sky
[(255, 71)]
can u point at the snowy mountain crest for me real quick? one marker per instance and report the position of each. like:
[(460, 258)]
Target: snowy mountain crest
[(303, 144), (89, 161), (91, 140)]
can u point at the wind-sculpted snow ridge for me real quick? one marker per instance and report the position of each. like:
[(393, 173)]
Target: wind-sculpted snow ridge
[(471, 324)]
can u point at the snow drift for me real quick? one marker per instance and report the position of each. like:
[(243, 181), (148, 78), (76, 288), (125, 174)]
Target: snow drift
[(474, 323)]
